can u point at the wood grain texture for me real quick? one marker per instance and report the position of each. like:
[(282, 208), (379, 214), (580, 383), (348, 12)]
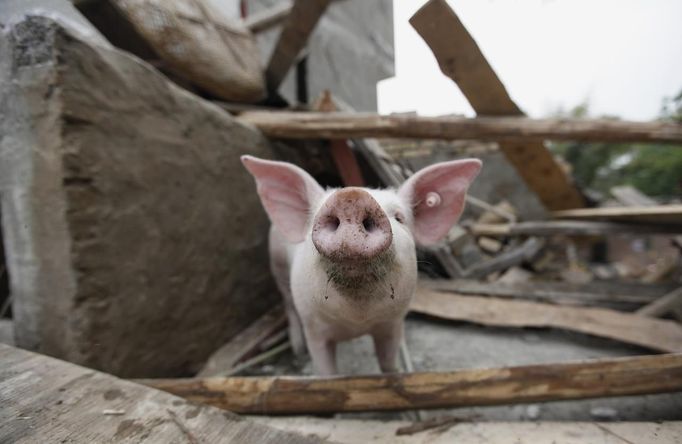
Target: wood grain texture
[(660, 214), (655, 334), (509, 385), (46, 400), (571, 228), (298, 26), (460, 58), (342, 125)]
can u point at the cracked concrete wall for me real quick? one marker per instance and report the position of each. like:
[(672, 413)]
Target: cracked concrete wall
[(135, 240)]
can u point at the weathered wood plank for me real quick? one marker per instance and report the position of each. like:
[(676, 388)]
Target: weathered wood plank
[(627, 296), (670, 302), (525, 252), (268, 18), (223, 359), (43, 399), (298, 27), (341, 125), (509, 385), (461, 59), (660, 214), (571, 228), (655, 334)]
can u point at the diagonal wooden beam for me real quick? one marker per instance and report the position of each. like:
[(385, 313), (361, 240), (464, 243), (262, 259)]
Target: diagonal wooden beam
[(461, 59), (298, 27)]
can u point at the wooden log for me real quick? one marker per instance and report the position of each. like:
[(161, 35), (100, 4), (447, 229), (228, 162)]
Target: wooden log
[(660, 214), (625, 296), (225, 358), (46, 400), (570, 228), (670, 302), (297, 29), (475, 387), (525, 252), (655, 334), (460, 58), (342, 125)]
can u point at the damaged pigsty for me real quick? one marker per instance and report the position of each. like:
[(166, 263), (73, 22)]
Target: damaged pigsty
[(344, 259)]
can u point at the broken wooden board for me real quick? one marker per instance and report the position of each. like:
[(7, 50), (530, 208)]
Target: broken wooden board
[(461, 59), (340, 125), (571, 228), (225, 358), (625, 296), (352, 431), (47, 400), (475, 387), (660, 214), (297, 28), (654, 334)]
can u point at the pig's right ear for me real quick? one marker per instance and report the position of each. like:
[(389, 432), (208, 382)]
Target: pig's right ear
[(287, 193)]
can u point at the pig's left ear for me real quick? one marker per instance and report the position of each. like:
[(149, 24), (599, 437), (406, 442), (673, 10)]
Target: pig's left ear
[(287, 192), (436, 195)]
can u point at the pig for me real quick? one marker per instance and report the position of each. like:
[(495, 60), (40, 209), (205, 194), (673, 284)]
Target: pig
[(344, 259)]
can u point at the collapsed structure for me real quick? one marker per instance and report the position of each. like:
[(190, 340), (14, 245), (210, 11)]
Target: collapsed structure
[(135, 244)]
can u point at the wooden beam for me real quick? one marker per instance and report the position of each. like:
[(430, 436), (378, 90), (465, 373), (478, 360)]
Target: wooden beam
[(461, 60), (340, 125), (670, 302), (524, 252), (477, 387), (659, 214), (570, 228), (655, 334), (626, 296), (225, 358), (298, 27), (268, 18)]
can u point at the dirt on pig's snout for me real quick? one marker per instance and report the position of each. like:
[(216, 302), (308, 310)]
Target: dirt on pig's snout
[(360, 279)]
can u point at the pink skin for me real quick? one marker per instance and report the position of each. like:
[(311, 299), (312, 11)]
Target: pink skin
[(344, 259)]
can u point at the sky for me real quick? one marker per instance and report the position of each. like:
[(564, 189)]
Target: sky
[(621, 57)]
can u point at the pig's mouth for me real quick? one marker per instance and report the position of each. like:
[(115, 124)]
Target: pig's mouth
[(356, 277)]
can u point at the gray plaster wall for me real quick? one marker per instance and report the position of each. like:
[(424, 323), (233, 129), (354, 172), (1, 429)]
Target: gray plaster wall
[(135, 240), (350, 50)]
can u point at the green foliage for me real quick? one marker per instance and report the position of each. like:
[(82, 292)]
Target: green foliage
[(654, 169)]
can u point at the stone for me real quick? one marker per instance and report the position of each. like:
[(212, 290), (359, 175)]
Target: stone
[(135, 241)]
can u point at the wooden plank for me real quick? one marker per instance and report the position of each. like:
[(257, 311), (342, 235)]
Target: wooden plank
[(225, 358), (268, 18), (298, 27), (343, 125), (47, 400), (475, 387), (468, 432), (625, 296), (655, 334), (460, 58), (671, 302), (525, 252), (570, 228), (660, 214)]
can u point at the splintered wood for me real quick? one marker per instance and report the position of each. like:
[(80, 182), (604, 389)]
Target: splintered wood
[(509, 385), (655, 334)]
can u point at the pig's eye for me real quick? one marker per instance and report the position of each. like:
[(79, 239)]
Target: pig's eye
[(399, 217)]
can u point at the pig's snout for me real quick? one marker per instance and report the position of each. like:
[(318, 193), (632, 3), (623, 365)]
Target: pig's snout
[(351, 226)]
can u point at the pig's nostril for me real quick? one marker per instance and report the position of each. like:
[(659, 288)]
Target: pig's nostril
[(333, 223), (368, 224)]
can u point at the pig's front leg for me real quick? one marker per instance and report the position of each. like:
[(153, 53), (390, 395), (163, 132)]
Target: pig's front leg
[(323, 354), (387, 338)]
